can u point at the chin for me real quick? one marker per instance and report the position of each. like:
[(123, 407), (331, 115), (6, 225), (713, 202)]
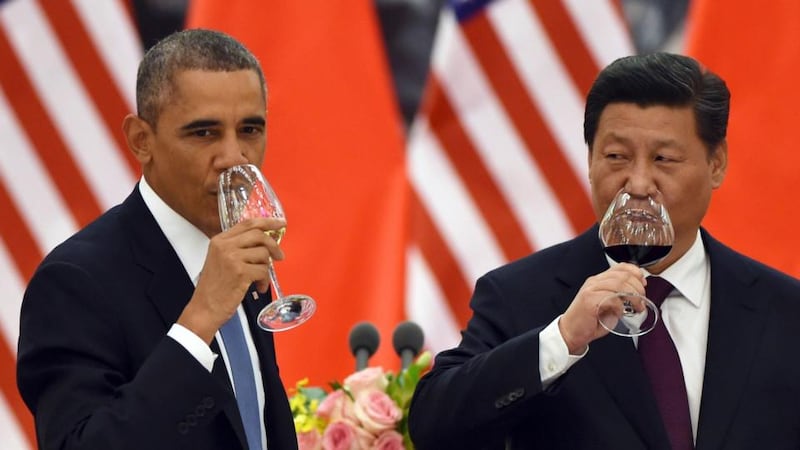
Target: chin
[(210, 227), (212, 231)]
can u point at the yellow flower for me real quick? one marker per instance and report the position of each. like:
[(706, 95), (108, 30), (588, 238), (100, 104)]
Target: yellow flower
[(399, 388)]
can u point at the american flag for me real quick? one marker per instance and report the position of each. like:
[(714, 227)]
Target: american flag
[(496, 158), (67, 77)]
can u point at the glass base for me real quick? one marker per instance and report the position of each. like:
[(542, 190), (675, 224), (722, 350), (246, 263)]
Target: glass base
[(617, 314), (286, 313)]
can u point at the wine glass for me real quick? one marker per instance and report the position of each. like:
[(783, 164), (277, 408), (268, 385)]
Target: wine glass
[(243, 194), (637, 230)]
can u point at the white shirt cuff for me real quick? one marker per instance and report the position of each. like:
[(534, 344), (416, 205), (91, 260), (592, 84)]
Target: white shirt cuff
[(194, 345), (554, 357)]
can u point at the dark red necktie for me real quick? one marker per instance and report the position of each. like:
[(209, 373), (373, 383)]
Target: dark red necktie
[(663, 368)]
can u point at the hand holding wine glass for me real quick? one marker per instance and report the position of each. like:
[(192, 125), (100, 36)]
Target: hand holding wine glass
[(244, 193), (637, 230)]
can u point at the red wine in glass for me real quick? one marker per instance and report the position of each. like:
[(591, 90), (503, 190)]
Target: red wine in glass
[(641, 255), (635, 229)]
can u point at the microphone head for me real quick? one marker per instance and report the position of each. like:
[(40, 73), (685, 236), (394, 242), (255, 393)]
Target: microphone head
[(408, 336), (364, 335)]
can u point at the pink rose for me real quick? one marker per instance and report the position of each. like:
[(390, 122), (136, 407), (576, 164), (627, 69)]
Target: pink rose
[(364, 437), (337, 406), (309, 440), (339, 436), (388, 440), (369, 378), (345, 435), (377, 411)]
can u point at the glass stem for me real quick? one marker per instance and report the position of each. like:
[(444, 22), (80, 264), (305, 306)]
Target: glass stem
[(274, 279)]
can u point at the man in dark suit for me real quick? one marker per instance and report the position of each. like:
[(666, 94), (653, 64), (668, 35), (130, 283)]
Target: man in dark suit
[(119, 338), (534, 369)]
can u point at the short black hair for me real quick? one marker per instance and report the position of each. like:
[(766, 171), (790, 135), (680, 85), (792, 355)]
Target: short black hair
[(662, 79), (195, 49)]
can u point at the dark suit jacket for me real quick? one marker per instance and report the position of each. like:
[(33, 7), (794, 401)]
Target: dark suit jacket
[(486, 393), (95, 365)]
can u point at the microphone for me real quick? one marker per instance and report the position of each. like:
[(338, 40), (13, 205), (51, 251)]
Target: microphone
[(364, 340), (407, 340)]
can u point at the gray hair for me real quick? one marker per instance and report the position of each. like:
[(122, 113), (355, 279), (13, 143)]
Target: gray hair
[(196, 49)]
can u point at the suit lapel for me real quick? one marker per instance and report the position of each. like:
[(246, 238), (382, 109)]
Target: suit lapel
[(737, 321), (277, 415), (253, 303), (616, 362), (613, 358), (219, 371), (231, 409), (170, 287), (263, 340)]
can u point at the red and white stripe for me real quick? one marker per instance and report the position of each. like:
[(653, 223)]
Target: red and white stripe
[(68, 77), (496, 158)]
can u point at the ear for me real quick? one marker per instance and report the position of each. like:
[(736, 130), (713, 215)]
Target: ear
[(139, 136), (718, 162)]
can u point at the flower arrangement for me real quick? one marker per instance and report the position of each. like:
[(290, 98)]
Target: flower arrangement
[(368, 410)]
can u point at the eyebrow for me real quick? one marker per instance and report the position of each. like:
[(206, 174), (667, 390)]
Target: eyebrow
[(656, 145), (255, 120), (199, 124), (669, 143), (208, 123)]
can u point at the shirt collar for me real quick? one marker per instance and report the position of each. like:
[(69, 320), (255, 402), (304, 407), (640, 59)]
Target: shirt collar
[(689, 273), (188, 241)]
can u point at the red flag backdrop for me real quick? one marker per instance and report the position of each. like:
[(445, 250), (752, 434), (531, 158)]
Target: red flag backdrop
[(335, 156), (495, 161), (755, 47), (496, 157)]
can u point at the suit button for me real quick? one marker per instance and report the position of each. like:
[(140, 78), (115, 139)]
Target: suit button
[(183, 428), (208, 402), (191, 419), (200, 411)]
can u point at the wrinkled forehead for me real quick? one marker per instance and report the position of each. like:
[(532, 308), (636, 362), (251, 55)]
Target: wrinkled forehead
[(174, 87)]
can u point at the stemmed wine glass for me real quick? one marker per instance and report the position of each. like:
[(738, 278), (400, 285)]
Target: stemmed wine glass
[(243, 194), (637, 230)]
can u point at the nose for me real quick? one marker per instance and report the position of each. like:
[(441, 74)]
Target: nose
[(641, 181), (232, 153)]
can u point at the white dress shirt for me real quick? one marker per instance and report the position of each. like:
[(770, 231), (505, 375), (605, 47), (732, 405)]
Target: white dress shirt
[(685, 313), (191, 245)]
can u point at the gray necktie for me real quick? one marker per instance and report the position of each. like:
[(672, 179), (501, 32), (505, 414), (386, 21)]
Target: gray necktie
[(244, 382)]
